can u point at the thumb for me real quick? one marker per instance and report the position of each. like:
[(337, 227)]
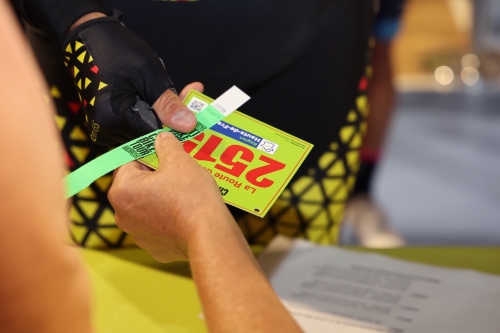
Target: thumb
[(173, 113), (167, 146)]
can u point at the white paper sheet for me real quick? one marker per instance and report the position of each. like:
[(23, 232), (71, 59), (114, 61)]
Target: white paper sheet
[(332, 290)]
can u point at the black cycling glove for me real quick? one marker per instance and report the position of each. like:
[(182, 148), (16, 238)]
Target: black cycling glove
[(116, 73)]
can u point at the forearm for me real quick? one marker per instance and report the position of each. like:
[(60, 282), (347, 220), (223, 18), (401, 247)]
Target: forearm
[(43, 287), (381, 96), (235, 294), (381, 93)]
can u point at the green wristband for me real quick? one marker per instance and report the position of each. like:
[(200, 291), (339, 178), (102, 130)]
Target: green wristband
[(145, 145)]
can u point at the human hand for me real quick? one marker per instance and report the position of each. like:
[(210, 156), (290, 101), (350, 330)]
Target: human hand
[(118, 77), (164, 209)]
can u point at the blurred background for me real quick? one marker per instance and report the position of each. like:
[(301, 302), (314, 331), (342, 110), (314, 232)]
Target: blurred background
[(438, 179)]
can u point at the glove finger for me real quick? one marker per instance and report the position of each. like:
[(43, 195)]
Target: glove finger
[(134, 118), (127, 94)]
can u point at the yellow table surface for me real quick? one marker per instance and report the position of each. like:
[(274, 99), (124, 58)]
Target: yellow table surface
[(134, 293)]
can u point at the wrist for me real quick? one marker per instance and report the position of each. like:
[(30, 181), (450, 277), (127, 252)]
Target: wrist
[(85, 18), (213, 230)]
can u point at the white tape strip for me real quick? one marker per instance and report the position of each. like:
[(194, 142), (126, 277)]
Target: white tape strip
[(231, 100)]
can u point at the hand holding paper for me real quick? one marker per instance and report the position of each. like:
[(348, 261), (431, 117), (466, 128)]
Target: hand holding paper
[(118, 77), (143, 146), (177, 213), (161, 209)]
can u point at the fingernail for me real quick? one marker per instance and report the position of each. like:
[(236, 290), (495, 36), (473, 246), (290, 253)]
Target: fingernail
[(183, 117)]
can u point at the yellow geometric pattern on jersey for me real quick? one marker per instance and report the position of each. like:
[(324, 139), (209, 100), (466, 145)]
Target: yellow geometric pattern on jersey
[(84, 71), (311, 207)]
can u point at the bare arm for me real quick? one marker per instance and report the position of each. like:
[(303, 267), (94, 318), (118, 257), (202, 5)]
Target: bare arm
[(235, 294), (43, 287), (381, 96), (177, 213)]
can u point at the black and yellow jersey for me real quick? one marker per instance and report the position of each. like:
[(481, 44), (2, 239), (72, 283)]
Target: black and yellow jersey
[(302, 62)]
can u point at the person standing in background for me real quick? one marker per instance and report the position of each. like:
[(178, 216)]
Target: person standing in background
[(362, 214)]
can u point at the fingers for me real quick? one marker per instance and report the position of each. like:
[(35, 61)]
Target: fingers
[(128, 167), (165, 145), (198, 86), (173, 113), (118, 186)]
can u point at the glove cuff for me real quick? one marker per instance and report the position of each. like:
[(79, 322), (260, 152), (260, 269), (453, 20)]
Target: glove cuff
[(55, 17), (114, 18)]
